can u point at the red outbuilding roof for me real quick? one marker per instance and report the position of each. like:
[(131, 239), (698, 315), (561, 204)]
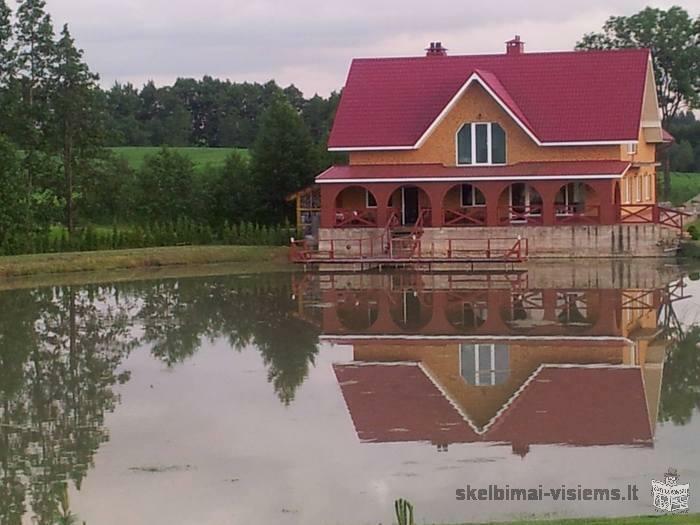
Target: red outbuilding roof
[(438, 172), (562, 97)]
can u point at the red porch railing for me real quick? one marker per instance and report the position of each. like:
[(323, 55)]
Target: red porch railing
[(526, 215), (652, 214), (508, 249), (577, 214), (471, 216), (345, 218)]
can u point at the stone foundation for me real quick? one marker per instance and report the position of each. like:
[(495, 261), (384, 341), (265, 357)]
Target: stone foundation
[(549, 242)]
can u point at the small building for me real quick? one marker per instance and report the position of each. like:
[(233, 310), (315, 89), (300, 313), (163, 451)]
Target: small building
[(446, 152)]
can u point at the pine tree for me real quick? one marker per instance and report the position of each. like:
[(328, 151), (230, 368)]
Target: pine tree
[(33, 55), (76, 127)]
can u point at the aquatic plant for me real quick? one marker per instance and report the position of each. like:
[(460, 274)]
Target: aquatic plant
[(404, 512)]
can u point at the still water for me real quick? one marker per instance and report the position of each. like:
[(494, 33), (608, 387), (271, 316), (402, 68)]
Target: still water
[(316, 399)]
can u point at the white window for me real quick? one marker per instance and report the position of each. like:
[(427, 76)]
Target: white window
[(638, 186), (484, 364), (370, 201), (481, 143), (471, 196), (632, 149)]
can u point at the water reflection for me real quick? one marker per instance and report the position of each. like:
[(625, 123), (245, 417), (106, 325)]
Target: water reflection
[(439, 359), (457, 360), (60, 355)]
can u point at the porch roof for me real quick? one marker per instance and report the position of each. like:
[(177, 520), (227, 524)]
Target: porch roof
[(585, 169)]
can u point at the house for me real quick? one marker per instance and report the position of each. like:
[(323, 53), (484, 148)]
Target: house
[(446, 152), (445, 361)]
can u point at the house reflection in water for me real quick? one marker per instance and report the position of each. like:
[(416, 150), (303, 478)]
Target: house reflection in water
[(446, 360)]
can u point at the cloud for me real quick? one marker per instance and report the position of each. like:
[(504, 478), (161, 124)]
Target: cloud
[(309, 42)]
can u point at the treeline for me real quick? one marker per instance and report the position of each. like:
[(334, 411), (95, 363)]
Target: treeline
[(56, 124), (207, 112), (684, 154)]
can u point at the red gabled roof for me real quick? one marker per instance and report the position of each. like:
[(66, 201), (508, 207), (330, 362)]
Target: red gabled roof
[(397, 402), (581, 406), (574, 405), (563, 169), (581, 96)]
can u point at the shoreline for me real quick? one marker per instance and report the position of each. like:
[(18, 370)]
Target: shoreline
[(255, 258)]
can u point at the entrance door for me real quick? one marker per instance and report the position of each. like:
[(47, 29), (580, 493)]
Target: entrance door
[(410, 206)]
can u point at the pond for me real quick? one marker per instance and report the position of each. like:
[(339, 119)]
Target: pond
[(320, 398)]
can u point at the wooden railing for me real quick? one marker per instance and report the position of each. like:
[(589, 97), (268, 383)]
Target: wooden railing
[(492, 248), (577, 214), (471, 216), (652, 214), (346, 218), (526, 215)]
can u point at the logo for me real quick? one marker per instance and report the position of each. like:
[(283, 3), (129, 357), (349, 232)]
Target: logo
[(669, 496)]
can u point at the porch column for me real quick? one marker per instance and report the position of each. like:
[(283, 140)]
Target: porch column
[(606, 193), (492, 192), (436, 192), (382, 192), (329, 192), (548, 191)]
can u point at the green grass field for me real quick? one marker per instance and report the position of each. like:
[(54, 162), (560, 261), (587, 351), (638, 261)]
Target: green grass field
[(684, 186), (200, 157)]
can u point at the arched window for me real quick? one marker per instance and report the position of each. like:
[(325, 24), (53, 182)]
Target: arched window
[(481, 143)]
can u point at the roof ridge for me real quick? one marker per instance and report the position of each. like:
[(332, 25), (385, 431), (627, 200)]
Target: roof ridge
[(506, 56)]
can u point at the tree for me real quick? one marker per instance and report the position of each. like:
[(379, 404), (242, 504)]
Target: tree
[(231, 193), (284, 159), (33, 53), (164, 186), (681, 156), (76, 116), (674, 40), (12, 195)]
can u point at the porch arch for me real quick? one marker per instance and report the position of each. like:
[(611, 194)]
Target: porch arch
[(464, 204), (577, 202), (356, 207), (520, 203), (410, 203)]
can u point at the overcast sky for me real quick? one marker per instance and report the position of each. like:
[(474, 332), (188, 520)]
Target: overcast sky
[(310, 42)]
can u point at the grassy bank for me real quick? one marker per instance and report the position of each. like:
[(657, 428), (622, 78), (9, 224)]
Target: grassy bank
[(661, 519), (257, 257), (684, 186), (200, 157)]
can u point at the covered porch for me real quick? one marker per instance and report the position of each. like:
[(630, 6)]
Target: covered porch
[(470, 204)]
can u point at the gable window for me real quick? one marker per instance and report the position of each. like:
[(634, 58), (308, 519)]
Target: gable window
[(481, 143), (484, 364)]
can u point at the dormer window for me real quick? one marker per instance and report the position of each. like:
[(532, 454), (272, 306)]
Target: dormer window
[(481, 143)]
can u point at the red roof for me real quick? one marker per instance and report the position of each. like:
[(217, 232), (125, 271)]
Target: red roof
[(397, 402), (581, 96), (435, 172), (579, 406), (576, 405)]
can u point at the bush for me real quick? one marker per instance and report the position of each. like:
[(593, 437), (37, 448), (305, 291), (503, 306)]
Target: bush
[(182, 232)]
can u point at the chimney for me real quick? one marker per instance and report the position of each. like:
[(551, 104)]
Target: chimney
[(515, 46), (435, 50)]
